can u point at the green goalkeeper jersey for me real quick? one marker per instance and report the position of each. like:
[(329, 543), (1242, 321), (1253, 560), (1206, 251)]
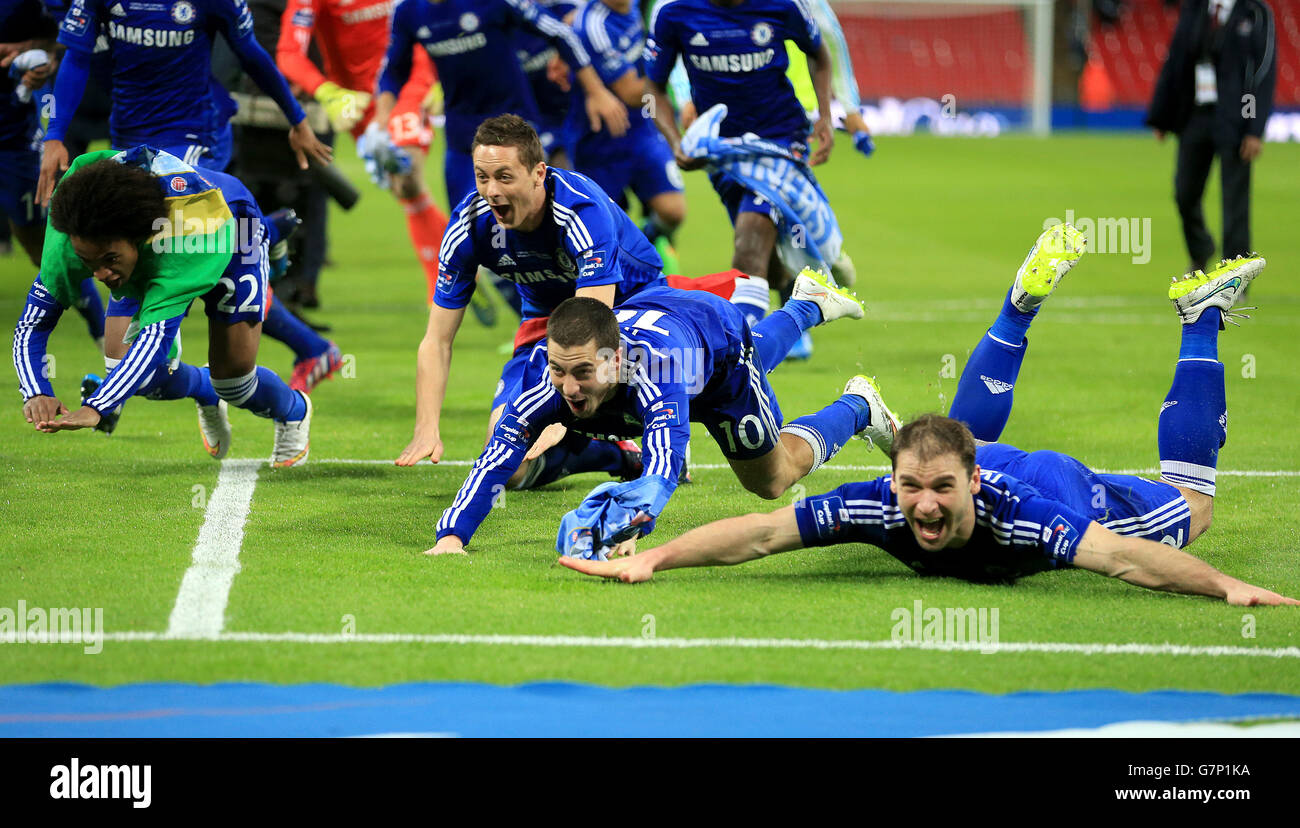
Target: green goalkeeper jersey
[(182, 261)]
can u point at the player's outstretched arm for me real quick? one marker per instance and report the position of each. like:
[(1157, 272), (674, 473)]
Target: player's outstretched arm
[(432, 366), (1154, 565), (723, 543)]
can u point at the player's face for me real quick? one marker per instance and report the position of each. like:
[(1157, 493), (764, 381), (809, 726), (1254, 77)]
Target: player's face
[(516, 194), (937, 498), (110, 262), (584, 376)]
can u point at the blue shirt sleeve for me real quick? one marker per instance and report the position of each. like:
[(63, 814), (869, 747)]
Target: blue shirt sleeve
[(39, 316), (80, 26), (523, 419), (458, 261), (559, 35), (802, 27), (236, 23), (664, 403), (69, 86), (609, 62), (852, 513), (148, 353), (661, 46), (396, 70)]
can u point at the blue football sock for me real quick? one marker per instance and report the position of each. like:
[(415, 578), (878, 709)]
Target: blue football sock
[(91, 308), (1012, 323), (829, 429), (264, 394), (775, 336), (1201, 338), (985, 390), (185, 381), (569, 457), (1193, 425), (753, 298), (292, 331)]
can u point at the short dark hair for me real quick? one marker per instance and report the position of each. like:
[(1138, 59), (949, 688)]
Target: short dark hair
[(510, 131), (934, 435), (581, 319), (106, 201)]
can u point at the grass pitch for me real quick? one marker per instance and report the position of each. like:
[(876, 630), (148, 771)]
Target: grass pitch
[(937, 228)]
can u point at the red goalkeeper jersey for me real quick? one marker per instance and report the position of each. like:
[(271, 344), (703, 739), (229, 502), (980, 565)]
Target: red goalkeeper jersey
[(352, 36)]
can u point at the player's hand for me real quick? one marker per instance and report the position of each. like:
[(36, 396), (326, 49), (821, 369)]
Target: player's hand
[(1160, 135), (420, 447), (550, 435), (40, 409), (1251, 147), (343, 106), (687, 163), (605, 109), (448, 545), (9, 51), (36, 77), (1245, 595), (303, 142), (84, 417), (688, 115), (825, 138), (54, 161), (634, 570), (557, 72)]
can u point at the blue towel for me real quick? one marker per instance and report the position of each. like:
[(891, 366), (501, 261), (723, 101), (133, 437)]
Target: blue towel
[(611, 514), (809, 233)]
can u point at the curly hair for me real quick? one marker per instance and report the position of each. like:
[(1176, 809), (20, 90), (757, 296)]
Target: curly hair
[(106, 201)]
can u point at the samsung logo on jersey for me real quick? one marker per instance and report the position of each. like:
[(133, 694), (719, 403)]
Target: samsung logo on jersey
[(457, 45), (371, 13), (748, 62), (164, 38), (527, 276)]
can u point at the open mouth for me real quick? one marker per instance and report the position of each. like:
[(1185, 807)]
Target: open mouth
[(502, 212), (929, 530), (578, 406)]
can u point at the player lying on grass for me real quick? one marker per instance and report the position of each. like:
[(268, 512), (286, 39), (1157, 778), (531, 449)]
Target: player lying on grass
[(156, 231), (554, 234), (660, 360), (995, 512)]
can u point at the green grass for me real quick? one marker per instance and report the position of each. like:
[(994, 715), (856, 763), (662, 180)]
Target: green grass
[(937, 228)]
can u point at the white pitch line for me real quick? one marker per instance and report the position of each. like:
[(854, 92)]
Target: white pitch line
[(200, 610), (636, 642), (1153, 470)]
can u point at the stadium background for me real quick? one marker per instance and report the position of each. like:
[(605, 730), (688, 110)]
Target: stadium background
[(331, 586)]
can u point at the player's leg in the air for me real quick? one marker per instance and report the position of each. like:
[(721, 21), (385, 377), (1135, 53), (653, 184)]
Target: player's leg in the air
[(1193, 423), (986, 387)]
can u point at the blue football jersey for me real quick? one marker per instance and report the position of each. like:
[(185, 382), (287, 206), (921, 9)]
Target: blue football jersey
[(585, 241), (535, 54), (1031, 512), (736, 56), (473, 48), (681, 348), (161, 56)]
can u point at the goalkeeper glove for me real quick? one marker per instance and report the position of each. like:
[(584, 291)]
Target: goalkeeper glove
[(862, 140), (345, 107), (383, 158)]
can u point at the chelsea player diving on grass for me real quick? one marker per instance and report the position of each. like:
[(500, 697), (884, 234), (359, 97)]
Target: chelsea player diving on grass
[(960, 505), (156, 231), (554, 234), (647, 369)]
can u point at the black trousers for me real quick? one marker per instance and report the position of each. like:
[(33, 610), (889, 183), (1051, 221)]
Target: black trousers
[(1197, 150)]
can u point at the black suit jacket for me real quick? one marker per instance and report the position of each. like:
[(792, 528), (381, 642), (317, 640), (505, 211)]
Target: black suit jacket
[(1244, 54)]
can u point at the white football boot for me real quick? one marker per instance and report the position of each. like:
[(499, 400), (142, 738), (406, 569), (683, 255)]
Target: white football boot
[(1221, 288), (833, 301), (214, 427), (884, 425), (292, 442)]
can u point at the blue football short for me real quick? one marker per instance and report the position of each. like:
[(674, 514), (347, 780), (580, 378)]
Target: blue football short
[(742, 414)]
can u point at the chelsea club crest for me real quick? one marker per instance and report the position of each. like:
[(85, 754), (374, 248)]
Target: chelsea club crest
[(761, 34), (183, 12), (468, 21)]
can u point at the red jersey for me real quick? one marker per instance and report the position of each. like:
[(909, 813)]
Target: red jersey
[(352, 36)]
